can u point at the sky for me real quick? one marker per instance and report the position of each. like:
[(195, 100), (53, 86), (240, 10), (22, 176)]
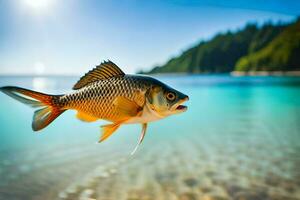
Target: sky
[(73, 36)]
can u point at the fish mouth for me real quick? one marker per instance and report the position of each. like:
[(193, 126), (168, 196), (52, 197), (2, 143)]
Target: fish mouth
[(181, 108)]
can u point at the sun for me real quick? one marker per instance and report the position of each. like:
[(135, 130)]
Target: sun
[(38, 5)]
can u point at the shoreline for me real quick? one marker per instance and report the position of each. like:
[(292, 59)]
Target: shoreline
[(234, 73), (265, 73)]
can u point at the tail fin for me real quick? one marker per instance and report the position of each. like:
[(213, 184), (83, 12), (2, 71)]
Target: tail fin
[(48, 104)]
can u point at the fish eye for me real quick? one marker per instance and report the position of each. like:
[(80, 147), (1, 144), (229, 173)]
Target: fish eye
[(171, 96)]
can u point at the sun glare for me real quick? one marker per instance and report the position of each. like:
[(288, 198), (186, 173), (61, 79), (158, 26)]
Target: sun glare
[(38, 5)]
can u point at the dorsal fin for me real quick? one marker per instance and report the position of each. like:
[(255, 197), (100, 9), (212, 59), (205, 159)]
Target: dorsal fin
[(106, 69)]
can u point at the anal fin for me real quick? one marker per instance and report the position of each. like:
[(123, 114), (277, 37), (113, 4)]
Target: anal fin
[(141, 137), (108, 130), (85, 117)]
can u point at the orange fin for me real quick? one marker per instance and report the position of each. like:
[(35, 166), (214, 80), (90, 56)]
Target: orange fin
[(43, 117), (85, 117), (127, 107), (108, 130), (48, 104), (105, 70), (141, 138)]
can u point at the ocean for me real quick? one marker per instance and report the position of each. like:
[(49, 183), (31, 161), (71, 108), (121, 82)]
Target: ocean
[(239, 139)]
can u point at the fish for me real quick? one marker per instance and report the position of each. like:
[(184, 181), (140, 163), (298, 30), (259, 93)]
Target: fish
[(106, 93)]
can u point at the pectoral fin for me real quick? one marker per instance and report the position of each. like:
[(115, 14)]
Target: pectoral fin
[(85, 117), (127, 107), (141, 138), (108, 130)]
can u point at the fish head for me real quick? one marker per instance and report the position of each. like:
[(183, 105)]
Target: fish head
[(165, 100)]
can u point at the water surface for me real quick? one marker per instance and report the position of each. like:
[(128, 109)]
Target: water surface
[(239, 139)]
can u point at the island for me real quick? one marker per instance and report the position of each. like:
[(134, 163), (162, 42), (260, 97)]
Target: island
[(254, 49)]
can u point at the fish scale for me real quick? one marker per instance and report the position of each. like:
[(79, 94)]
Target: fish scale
[(97, 98)]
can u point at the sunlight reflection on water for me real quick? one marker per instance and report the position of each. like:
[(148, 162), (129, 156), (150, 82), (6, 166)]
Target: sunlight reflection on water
[(39, 83)]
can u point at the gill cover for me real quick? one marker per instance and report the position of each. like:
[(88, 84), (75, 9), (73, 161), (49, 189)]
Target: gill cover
[(164, 99)]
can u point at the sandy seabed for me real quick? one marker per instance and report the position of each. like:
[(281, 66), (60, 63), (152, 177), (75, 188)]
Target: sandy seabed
[(178, 169)]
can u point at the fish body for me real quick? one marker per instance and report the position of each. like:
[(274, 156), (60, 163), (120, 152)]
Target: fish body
[(97, 99), (107, 93)]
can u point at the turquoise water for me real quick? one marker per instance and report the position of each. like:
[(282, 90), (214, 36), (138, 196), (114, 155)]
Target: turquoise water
[(239, 139)]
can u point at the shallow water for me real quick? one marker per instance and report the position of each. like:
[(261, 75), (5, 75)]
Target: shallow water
[(239, 139)]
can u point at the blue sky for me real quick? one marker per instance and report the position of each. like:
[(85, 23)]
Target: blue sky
[(72, 36)]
